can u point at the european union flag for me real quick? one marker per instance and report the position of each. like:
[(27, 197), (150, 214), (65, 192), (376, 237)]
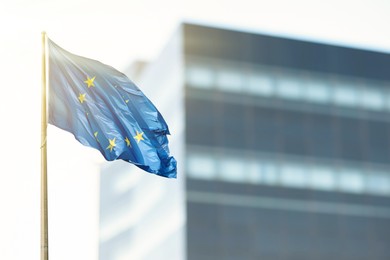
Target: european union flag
[(105, 110)]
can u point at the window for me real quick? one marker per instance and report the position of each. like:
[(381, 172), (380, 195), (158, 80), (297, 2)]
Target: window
[(254, 171), (201, 77), (290, 84), (289, 87), (345, 95), (290, 172), (372, 98), (232, 169), (351, 181), (322, 178), (378, 183), (260, 84), (387, 100), (317, 91), (293, 175), (230, 80), (269, 173), (201, 166)]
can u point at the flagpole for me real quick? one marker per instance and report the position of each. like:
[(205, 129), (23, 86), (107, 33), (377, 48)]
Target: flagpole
[(44, 211)]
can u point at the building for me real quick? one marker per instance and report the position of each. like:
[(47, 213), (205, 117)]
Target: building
[(285, 150)]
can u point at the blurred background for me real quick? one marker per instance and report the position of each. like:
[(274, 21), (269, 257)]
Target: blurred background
[(279, 119)]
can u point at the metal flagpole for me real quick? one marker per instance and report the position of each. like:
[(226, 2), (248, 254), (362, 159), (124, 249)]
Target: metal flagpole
[(44, 211)]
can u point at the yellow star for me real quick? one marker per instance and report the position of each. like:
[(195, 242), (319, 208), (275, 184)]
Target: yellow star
[(96, 134), (139, 137), (89, 82), (112, 144), (126, 100), (82, 97), (127, 142)]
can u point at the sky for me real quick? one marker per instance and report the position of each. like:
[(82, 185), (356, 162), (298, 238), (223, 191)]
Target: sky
[(118, 32)]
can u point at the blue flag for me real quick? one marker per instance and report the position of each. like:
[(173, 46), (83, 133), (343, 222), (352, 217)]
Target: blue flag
[(105, 110)]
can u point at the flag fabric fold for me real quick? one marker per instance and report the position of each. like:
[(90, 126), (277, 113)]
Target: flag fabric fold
[(105, 110)]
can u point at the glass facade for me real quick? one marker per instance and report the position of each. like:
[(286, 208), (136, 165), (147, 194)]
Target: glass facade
[(288, 84), (291, 171), (287, 148)]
